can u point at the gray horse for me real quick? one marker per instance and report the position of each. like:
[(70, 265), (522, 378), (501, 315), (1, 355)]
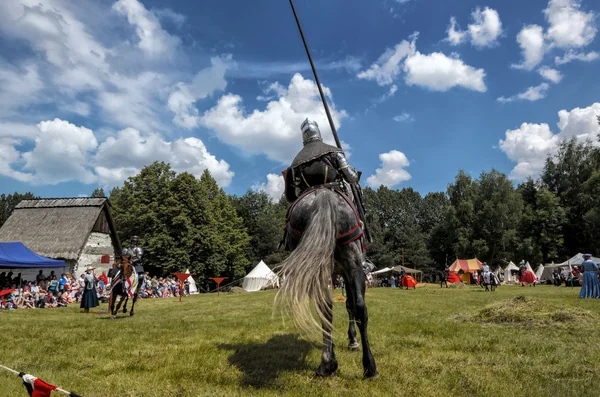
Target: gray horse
[(324, 229)]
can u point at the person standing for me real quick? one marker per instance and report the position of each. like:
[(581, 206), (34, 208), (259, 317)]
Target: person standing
[(591, 286), (90, 294)]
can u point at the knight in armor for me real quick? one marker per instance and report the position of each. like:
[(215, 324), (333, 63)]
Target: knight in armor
[(317, 164), (137, 258)]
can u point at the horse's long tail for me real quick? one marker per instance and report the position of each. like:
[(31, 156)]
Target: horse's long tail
[(306, 271)]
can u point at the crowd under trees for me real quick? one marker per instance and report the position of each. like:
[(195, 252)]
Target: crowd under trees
[(190, 223)]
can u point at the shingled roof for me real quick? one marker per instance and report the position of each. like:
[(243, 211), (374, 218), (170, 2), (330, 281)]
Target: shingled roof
[(59, 228)]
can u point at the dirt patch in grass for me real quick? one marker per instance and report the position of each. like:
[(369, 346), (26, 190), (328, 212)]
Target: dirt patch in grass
[(237, 290), (457, 285), (522, 311)]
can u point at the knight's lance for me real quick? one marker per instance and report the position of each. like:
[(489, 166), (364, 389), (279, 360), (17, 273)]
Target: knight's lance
[(356, 190)]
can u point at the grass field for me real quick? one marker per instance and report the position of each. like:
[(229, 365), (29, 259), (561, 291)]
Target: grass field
[(422, 340)]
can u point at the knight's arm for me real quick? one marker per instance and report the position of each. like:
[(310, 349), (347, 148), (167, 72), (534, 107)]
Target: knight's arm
[(350, 175)]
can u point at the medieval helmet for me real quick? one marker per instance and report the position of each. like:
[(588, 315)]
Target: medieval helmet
[(134, 239), (310, 131)]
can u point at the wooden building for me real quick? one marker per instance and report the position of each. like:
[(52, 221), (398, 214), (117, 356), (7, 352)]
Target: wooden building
[(80, 231)]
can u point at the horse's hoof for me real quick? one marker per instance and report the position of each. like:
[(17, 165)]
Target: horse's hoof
[(124, 310), (131, 314), (326, 371), (354, 346), (371, 374), (113, 317)]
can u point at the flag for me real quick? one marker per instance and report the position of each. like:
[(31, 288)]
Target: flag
[(37, 387)]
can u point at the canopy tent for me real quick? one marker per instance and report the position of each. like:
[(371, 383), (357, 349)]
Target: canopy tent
[(16, 256), (508, 276), (260, 277), (190, 279), (408, 270), (576, 261), (468, 266)]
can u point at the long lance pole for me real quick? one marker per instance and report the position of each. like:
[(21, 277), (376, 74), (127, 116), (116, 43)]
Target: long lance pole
[(312, 65), (355, 190)]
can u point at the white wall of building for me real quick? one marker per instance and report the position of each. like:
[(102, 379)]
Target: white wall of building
[(98, 244)]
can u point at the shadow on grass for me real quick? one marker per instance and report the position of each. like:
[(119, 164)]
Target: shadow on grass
[(262, 363)]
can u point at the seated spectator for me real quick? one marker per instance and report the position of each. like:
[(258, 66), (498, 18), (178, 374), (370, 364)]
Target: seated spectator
[(51, 300), (28, 301)]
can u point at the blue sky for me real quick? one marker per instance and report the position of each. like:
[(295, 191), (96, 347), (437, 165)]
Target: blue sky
[(90, 92)]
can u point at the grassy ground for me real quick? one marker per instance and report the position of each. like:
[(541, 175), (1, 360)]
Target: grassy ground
[(425, 343)]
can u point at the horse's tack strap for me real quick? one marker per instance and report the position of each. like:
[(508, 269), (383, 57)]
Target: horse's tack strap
[(342, 239)]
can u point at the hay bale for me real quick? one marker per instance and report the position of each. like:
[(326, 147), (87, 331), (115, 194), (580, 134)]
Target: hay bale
[(523, 311), (237, 291)]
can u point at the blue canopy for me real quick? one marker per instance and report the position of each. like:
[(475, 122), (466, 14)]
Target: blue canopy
[(17, 256)]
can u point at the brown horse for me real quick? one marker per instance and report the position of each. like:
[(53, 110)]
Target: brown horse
[(119, 288)]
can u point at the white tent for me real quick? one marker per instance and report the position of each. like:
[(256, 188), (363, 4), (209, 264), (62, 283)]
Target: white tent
[(574, 261), (260, 277), (539, 271), (190, 279), (508, 277), (528, 267)]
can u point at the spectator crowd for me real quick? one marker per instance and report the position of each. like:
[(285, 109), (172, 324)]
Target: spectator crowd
[(50, 291)]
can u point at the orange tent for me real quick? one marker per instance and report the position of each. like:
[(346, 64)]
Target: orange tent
[(468, 266)]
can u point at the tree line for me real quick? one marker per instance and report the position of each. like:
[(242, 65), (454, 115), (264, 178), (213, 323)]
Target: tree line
[(188, 222)]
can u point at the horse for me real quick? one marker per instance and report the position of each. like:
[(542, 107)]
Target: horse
[(324, 230), (120, 289)]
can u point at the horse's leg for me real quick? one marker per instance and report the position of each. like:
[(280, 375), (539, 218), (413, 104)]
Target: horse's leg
[(111, 305), (328, 361), (125, 305), (353, 268), (135, 297), (352, 342), (118, 306)]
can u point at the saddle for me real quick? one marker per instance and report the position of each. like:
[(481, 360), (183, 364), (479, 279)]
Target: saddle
[(342, 239)]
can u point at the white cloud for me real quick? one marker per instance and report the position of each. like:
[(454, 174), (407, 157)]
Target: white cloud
[(154, 40), (124, 155), (167, 13), (570, 27), (483, 32), (274, 131), (392, 170), (435, 71), (9, 156), (530, 144), (274, 187), (530, 94), (404, 117), (576, 56), (440, 73), (181, 102), (387, 67), (264, 70), (455, 37), (65, 152), (62, 153), (487, 27), (550, 74), (531, 41), (18, 87)]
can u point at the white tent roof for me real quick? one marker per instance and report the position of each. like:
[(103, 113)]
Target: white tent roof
[(260, 277), (576, 260), (528, 267), (190, 279)]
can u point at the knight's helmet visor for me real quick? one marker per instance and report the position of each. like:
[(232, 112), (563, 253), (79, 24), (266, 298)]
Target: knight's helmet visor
[(310, 131)]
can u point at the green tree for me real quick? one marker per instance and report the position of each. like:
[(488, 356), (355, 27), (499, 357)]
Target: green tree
[(264, 221), (98, 192), (8, 202), (226, 242)]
